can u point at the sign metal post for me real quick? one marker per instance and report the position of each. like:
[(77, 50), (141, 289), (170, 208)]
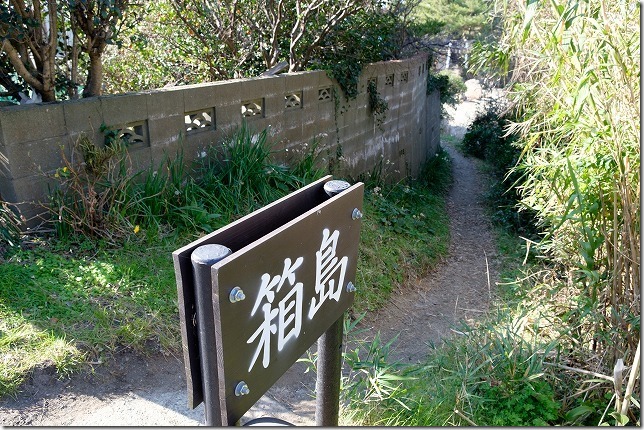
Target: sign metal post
[(327, 384)]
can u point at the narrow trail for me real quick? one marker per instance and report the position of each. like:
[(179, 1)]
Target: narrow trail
[(133, 391), (460, 288)]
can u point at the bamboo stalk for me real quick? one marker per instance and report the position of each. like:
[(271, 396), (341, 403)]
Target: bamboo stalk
[(585, 372), (631, 380), (462, 415)]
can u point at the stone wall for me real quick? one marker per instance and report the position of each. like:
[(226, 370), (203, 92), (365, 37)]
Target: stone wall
[(296, 108)]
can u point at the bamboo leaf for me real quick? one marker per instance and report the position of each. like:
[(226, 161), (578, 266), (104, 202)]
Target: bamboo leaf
[(531, 10)]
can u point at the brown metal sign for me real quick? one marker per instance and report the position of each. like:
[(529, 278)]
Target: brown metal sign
[(288, 279), (274, 298)]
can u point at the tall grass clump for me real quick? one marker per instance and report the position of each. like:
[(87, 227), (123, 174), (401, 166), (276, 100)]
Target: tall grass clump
[(492, 374), (100, 195), (9, 227), (91, 196), (243, 173), (576, 92)]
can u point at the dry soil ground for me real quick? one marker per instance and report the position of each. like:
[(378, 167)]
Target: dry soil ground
[(136, 391)]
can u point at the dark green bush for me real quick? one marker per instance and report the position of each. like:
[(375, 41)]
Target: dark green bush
[(363, 38), (485, 136), (450, 85), (486, 139), (528, 405)]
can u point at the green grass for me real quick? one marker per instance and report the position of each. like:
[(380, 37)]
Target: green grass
[(490, 374), (404, 232), (66, 302)]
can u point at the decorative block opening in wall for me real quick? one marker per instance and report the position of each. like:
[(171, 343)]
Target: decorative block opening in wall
[(200, 120), (134, 134), (325, 94), (419, 67), (293, 100), (404, 76), (253, 108), (389, 80), (372, 81)]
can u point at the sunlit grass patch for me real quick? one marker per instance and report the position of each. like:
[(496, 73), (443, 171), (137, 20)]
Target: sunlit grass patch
[(63, 307), (24, 346)]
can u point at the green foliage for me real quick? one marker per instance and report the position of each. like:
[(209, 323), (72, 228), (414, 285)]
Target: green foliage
[(151, 55), (449, 85), (243, 174), (223, 40), (514, 390), (367, 37), (485, 135), (490, 375), (372, 383), (305, 162), (530, 405), (102, 197), (581, 157), (66, 301), (377, 104), (91, 197), (487, 138), (454, 18), (72, 302)]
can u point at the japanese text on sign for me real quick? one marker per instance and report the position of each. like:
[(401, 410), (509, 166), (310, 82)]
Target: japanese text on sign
[(284, 318)]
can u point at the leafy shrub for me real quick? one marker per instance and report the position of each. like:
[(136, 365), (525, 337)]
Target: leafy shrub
[(363, 38), (372, 383), (242, 173), (485, 137), (509, 383), (581, 159), (91, 197), (490, 375), (449, 85), (101, 197), (529, 405)]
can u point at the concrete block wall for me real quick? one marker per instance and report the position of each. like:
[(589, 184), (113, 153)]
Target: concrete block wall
[(296, 108)]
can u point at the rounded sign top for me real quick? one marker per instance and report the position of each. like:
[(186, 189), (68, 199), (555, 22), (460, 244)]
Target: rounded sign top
[(335, 187), (210, 254)]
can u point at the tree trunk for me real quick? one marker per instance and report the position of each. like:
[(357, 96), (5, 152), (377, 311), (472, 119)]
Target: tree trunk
[(94, 75)]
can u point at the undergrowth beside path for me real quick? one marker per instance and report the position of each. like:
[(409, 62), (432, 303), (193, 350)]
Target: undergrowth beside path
[(74, 299)]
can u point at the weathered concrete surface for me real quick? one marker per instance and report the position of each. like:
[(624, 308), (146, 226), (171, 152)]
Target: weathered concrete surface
[(34, 138)]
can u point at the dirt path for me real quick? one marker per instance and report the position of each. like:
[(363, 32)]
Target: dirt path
[(460, 288), (132, 391)]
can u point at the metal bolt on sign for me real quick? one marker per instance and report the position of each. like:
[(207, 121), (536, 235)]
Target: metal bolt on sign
[(356, 214), (242, 389), (350, 287), (236, 295)]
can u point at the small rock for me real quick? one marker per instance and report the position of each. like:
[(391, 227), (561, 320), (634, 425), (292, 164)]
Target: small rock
[(474, 89)]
